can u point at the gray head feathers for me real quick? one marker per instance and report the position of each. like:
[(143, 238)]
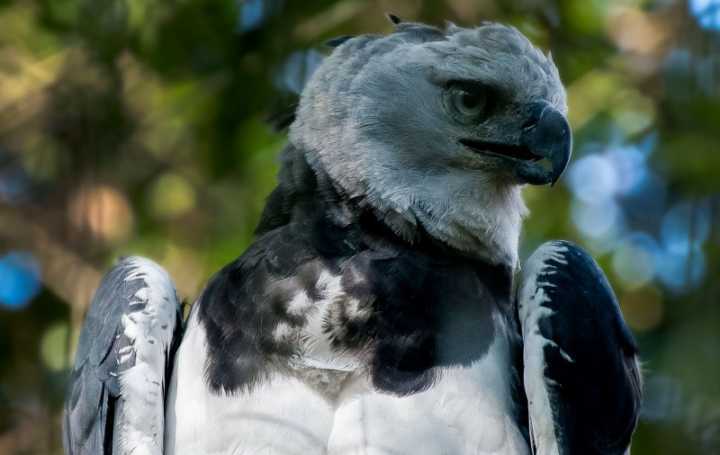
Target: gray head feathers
[(375, 119)]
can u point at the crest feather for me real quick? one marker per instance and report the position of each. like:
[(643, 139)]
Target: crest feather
[(395, 20), (337, 41)]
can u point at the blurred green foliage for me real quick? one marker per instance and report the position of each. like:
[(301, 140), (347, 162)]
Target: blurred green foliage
[(139, 127)]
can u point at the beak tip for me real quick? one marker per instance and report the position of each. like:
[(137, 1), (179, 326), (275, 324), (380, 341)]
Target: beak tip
[(551, 138)]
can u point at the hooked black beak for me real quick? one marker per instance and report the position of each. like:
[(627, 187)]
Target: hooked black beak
[(546, 135)]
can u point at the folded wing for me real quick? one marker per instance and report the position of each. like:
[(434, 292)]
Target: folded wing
[(581, 372), (115, 399)]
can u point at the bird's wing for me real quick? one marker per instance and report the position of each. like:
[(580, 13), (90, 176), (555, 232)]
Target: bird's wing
[(116, 394), (581, 373)]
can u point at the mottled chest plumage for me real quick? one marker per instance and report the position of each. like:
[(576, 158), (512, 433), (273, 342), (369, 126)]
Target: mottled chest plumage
[(394, 314)]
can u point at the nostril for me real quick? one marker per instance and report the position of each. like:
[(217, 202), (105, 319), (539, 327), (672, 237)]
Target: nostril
[(534, 115), (529, 124)]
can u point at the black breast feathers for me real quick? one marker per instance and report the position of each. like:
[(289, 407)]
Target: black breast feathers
[(328, 285)]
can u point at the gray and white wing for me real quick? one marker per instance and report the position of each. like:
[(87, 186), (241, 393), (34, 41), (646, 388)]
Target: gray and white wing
[(116, 395), (581, 373)]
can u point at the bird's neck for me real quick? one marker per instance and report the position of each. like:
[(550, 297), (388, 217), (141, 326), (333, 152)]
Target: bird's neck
[(308, 196)]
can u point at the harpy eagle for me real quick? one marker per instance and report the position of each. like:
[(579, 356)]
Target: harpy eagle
[(381, 308)]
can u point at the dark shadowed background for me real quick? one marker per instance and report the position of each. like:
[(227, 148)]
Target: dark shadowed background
[(138, 127)]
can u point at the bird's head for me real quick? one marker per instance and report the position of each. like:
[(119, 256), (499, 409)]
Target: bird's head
[(439, 128)]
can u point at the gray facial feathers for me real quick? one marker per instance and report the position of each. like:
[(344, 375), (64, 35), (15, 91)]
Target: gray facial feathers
[(374, 117)]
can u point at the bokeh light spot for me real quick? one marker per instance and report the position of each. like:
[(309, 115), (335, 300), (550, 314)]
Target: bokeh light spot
[(171, 196), (634, 30), (634, 260), (630, 167), (707, 13), (681, 271), (596, 220), (102, 210), (53, 347), (14, 185), (297, 70), (593, 178), (643, 308), (684, 226), (252, 14), (684, 230), (19, 280)]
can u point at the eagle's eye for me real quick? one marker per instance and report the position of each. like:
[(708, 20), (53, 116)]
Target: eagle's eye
[(466, 104)]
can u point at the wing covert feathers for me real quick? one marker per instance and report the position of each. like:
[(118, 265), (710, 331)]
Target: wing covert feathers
[(581, 372), (116, 394)]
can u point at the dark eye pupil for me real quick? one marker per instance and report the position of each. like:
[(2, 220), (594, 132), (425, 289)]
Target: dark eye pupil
[(470, 100), (466, 103)]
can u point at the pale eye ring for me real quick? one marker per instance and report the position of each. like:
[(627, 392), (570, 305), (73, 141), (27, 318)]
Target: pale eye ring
[(467, 104)]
